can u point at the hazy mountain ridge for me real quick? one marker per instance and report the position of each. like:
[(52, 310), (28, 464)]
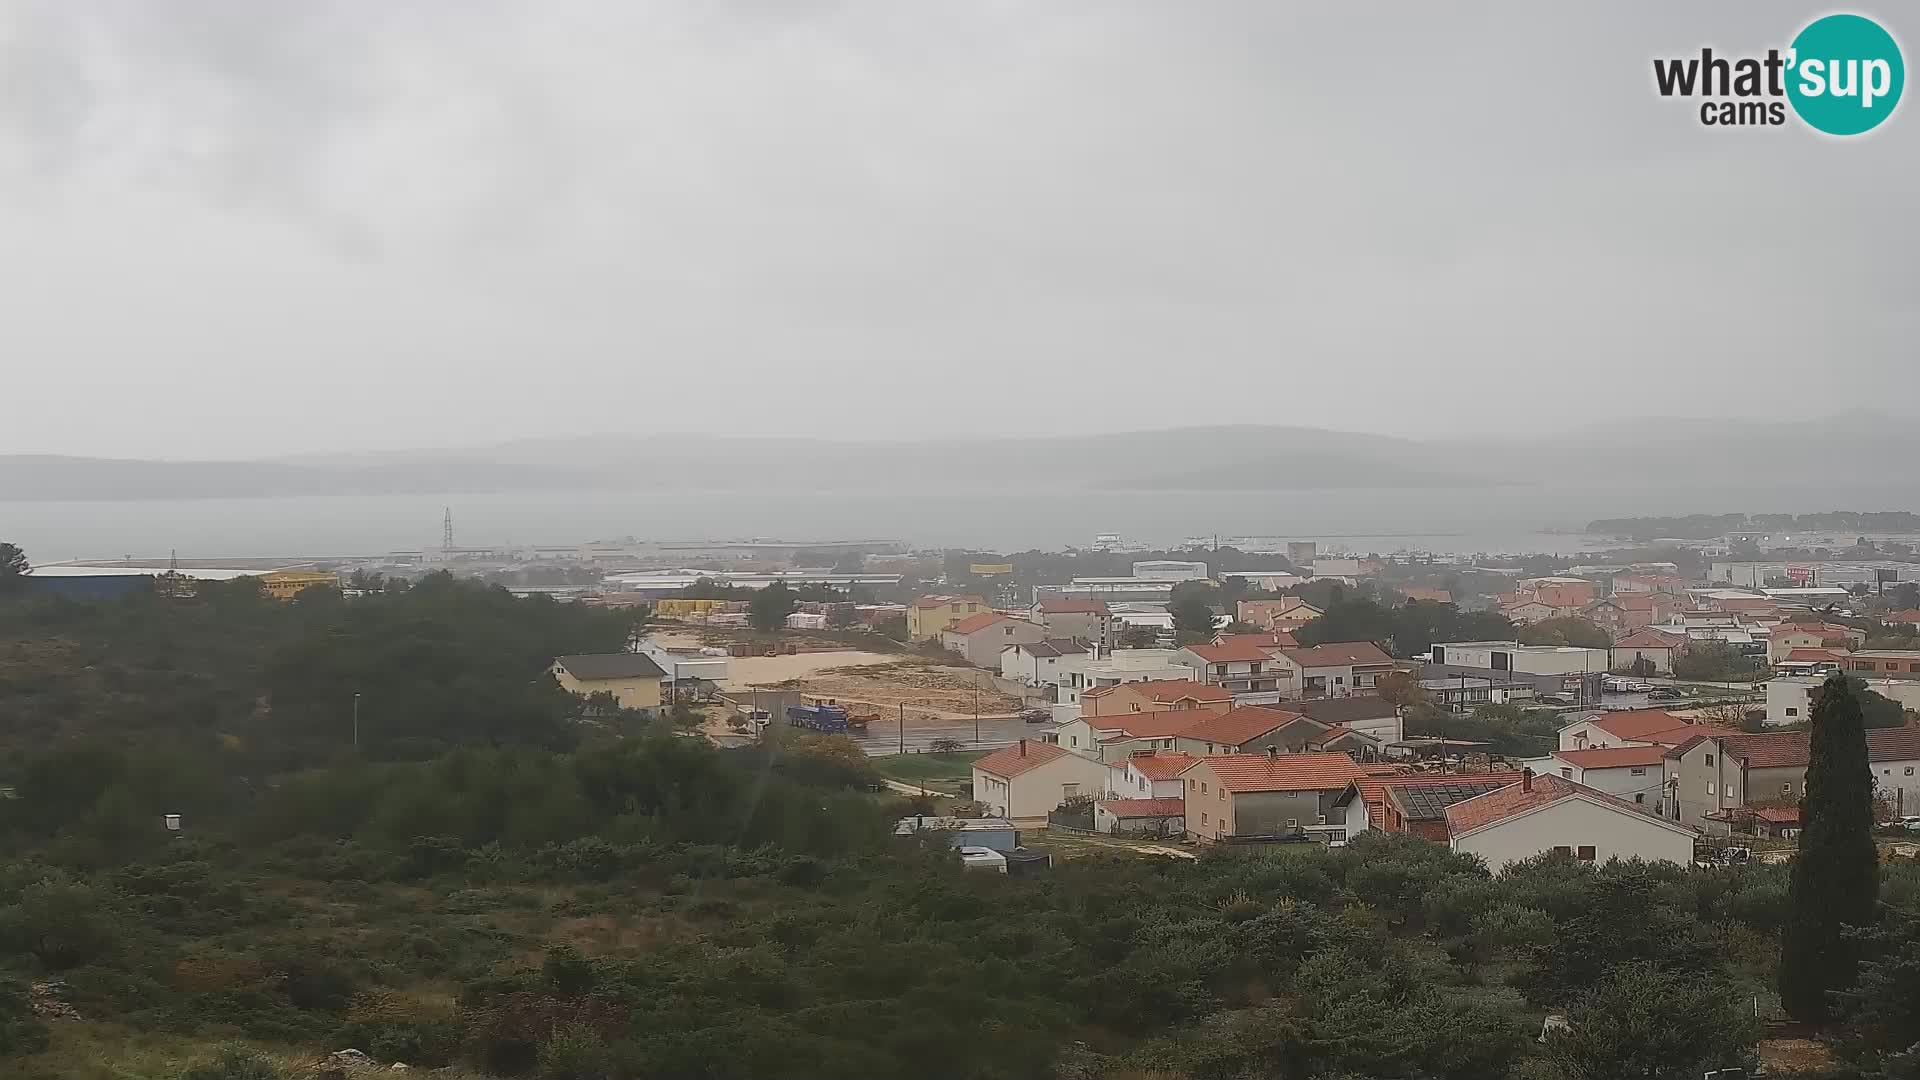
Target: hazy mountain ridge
[(1659, 453)]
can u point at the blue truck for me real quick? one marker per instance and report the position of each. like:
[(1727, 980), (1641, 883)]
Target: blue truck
[(829, 718)]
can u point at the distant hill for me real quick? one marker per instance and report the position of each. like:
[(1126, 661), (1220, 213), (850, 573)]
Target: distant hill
[(1650, 453)]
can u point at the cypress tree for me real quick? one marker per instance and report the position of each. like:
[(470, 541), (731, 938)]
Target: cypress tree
[(1836, 875)]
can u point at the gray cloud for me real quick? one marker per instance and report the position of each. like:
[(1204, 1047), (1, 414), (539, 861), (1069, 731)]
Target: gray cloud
[(232, 228)]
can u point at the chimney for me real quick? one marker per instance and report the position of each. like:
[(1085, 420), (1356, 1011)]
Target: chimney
[(1526, 779), (1273, 753), (1023, 748)]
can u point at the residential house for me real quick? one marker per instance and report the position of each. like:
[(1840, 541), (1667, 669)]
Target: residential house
[(1703, 779), (1787, 637), (1655, 647), (1256, 729), (980, 638), (1115, 737), (1368, 714), (1083, 619), (1511, 656), (928, 616), (1425, 594), (1566, 593), (1908, 617), (1123, 666), (1462, 694), (1043, 663), (1885, 663), (1148, 774), (1413, 802), (1331, 669), (1633, 727), (1163, 818), (1607, 615), (1775, 766), (1636, 774), (1026, 780), (1527, 612), (1153, 695), (1286, 613), (1774, 822), (1790, 697), (1638, 609), (632, 678), (1250, 797), (1549, 813), (1240, 665)]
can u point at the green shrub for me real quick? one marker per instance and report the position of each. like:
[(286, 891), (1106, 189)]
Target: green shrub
[(233, 1063), (574, 1052), (21, 1032)]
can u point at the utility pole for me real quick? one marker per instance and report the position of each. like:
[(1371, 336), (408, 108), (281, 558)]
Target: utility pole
[(976, 710), (903, 727), (356, 721)]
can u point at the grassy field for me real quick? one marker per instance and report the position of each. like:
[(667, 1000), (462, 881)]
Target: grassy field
[(929, 770)]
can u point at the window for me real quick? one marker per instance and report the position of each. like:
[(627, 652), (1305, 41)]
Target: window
[(1191, 784), (1568, 773), (1586, 853), (1203, 787), (1791, 711), (1640, 798), (1786, 788), (1223, 794), (1909, 771), (1709, 787), (1709, 759), (1073, 740), (1293, 823), (1562, 849), (1641, 771), (1203, 817)]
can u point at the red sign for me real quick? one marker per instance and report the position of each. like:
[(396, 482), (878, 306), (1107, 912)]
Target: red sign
[(1799, 575)]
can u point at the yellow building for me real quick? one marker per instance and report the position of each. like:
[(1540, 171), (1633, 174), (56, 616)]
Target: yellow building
[(929, 615), (287, 584), (672, 608), (632, 678)]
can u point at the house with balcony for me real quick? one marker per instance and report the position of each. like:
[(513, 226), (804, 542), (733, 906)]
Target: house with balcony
[(1250, 798), (1332, 669)]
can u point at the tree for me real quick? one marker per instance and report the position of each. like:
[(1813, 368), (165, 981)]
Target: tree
[(1836, 876), (1569, 630), (1139, 637), (946, 746), (1644, 1022), (1715, 661), (1402, 688), (13, 568), (769, 608), (1192, 608), (1641, 668)]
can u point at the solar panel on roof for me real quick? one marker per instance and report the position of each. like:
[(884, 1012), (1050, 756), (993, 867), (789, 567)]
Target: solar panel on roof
[(1430, 803)]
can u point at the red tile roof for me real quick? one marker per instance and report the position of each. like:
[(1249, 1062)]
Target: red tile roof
[(1010, 761), (1139, 808), (1799, 654), (1149, 725), (1338, 654), (1637, 723), (973, 624), (1233, 650), (1894, 744), (1515, 799), (1779, 815), (1252, 773), (1911, 615), (1237, 726), (1421, 592), (1614, 757), (1160, 764), (1164, 690)]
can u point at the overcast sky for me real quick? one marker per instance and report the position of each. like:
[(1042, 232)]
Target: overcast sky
[(241, 228)]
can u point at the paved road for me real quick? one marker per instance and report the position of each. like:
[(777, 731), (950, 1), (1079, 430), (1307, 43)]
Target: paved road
[(909, 789)]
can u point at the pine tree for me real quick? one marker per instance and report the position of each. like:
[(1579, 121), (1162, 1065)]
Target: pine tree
[(1836, 876)]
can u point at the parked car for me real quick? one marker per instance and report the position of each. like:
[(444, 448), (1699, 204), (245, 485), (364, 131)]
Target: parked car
[(1664, 693), (1035, 716), (1911, 823)]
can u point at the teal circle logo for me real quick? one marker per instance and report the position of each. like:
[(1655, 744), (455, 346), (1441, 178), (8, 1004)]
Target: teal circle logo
[(1845, 74)]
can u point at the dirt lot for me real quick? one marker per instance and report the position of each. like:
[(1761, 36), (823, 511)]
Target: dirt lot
[(929, 691)]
